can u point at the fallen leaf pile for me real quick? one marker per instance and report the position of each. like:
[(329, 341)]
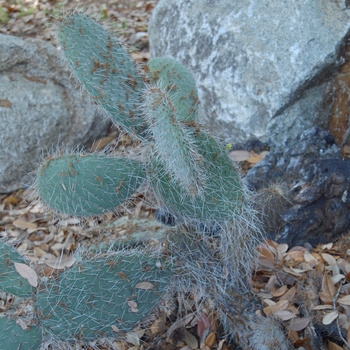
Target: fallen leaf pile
[(305, 288)]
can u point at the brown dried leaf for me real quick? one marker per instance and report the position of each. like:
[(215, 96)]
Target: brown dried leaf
[(337, 278), (283, 315), (155, 326), (5, 103), (300, 271), (265, 252), (269, 302), (22, 324), (240, 155), (320, 268), (293, 336), (308, 257), (202, 324), (283, 247), (144, 285), (328, 259), (344, 300), (270, 283), (210, 340), (329, 318), (297, 256), (281, 305), (254, 160), (28, 273), (289, 295), (179, 323), (328, 290), (279, 292), (333, 346), (265, 264), (323, 307), (133, 306), (297, 324), (191, 340), (11, 200), (133, 337), (327, 246), (101, 143), (61, 263), (221, 344), (115, 329), (19, 223)]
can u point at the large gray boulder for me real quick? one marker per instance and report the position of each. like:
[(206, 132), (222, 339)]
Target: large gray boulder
[(262, 67), (40, 107)]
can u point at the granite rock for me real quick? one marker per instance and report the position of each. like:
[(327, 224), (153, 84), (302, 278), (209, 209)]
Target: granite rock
[(40, 107), (262, 67)]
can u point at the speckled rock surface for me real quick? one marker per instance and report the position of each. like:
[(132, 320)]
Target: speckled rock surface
[(262, 67), (316, 183), (39, 108)]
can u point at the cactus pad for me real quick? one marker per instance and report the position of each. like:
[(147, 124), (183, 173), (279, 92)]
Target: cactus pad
[(83, 185), (12, 337), (173, 77), (114, 289), (10, 280), (104, 69), (175, 143)]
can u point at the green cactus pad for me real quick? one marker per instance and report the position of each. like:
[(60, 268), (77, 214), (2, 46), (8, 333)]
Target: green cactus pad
[(104, 69), (173, 77), (222, 197), (174, 142), (10, 280), (101, 292), (12, 337), (83, 185)]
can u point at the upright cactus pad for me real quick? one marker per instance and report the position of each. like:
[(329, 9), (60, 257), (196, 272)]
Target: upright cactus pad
[(13, 337), (174, 78), (104, 69), (83, 185), (117, 289), (10, 280), (175, 143), (223, 195)]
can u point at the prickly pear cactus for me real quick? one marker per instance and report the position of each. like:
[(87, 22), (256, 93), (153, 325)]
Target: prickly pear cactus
[(13, 337), (10, 280), (116, 289), (84, 185), (104, 69), (189, 171)]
